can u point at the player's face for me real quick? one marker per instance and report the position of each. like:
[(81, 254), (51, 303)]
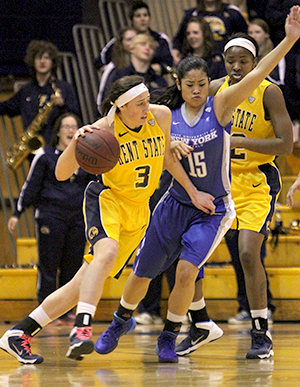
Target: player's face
[(66, 131), (43, 63), (141, 20), (194, 88), (238, 62), (257, 33), (127, 38), (134, 113), (194, 35)]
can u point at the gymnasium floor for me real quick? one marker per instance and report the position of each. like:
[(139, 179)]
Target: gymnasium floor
[(134, 362)]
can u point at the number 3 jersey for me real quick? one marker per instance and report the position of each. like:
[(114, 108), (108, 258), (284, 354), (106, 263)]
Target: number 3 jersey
[(136, 175), (208, 165)]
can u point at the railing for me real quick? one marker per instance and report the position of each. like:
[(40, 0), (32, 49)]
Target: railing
[(88, 43), (166, 15)]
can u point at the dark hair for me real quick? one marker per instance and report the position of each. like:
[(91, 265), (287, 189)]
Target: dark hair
[(209, 44), (171, 96), (57, 126), (119, 87), (201, 6), (38, 48), (137, 5), (245, 36), (119, 56)]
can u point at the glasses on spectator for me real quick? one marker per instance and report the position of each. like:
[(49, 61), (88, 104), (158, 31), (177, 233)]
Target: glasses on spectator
[(67, 127)]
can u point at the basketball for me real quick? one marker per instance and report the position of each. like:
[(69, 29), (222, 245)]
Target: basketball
[(97, 152)]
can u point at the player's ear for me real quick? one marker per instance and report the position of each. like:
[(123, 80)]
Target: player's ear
[(178, 84)]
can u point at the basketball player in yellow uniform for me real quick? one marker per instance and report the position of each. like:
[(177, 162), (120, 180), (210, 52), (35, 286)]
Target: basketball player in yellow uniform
[(261, 129), (116, 209)]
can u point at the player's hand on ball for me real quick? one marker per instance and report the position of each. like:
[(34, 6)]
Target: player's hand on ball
[(81, 131)]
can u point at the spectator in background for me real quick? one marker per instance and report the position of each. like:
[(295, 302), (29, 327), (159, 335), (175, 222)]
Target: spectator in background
[(275, 12), (290, 195), (142, 48), (260, 31), (58, 211), (42, 58), (140, 19), (117, 50), (223, 19), (256, 9), (120, 58), (199, 41)]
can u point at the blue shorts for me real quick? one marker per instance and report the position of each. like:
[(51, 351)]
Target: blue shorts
[(177, 230)]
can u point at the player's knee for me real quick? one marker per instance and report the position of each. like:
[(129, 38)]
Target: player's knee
[(186, 274)]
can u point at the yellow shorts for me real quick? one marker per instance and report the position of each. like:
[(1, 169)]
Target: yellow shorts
[(106, 215), (255, 193)]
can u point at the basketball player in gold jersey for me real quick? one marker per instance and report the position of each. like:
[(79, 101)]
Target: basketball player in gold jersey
[(116, 209), (261, 129)]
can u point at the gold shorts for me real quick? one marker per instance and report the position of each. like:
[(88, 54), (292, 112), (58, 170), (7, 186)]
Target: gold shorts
[(106, 215), (255, 193)]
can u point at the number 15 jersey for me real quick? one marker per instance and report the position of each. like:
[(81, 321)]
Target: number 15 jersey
[(208, 165)]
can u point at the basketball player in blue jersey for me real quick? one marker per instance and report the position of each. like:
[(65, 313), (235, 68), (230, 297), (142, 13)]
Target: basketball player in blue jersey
[(177, 227), (261, 129), (116, 209)]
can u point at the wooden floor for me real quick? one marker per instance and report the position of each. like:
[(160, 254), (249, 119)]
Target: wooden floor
[(134, 363)]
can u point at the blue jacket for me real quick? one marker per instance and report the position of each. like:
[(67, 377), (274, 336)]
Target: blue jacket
[(43, 191)]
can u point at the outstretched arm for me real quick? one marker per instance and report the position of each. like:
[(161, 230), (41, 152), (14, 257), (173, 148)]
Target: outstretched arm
[(227, 100)]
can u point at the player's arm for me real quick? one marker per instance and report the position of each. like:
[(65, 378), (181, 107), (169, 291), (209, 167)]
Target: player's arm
[(228, 99), (283, 142), (201, 200), (215, 85)]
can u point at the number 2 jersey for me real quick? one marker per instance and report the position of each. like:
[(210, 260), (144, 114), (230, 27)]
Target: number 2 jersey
[(137, 173), (208, 165), (249, 120)]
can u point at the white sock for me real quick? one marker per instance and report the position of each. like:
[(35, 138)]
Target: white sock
[(128, 306), (40, 316), (84, 307), (263, 313), (197, 305), (174, 317)]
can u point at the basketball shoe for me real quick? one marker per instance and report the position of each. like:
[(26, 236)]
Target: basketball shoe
[(109, 339), (81, 343), (165, 348), (262, 345), (17, 344), (199, 334)]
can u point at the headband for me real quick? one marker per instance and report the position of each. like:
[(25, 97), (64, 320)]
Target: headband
[(128, 96), (241, 42)]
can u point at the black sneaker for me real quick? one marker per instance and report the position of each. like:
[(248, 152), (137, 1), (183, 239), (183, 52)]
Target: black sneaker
[(17, 344), (199, 334), (81, 343), (262, 345)]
